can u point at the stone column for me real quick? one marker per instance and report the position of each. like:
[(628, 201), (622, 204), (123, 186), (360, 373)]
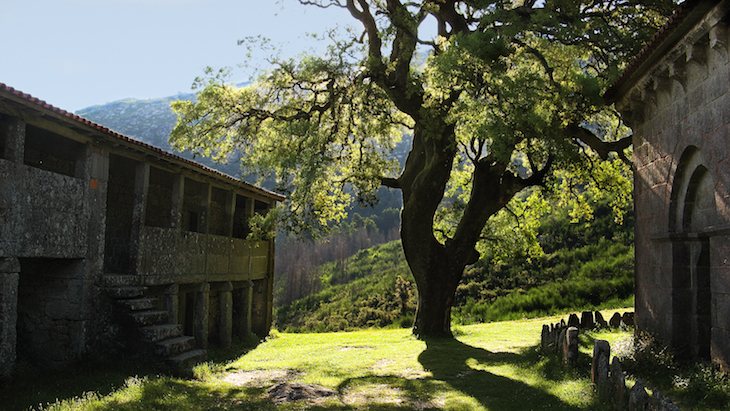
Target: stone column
[(600, 368), (243, 299), (570, 349), (9, 276), (171, 303), (225, 326), (13, 131), (202, 302)]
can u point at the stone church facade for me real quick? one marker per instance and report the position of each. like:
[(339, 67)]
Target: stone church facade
[(109, 244), (676, 98)]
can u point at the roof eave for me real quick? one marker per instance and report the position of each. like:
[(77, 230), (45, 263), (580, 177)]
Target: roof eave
[(74, 121)]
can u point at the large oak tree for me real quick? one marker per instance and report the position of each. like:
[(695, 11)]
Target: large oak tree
[(497, 100)]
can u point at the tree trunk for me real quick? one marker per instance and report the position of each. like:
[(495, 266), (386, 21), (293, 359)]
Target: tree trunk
[(435, 298), (436, 269)]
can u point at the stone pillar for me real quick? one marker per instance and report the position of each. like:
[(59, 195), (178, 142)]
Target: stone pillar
[(225, 327), (562, 337), (570, 349), (178, 194), (615, 321), (600, 368), (620, 395), (544, 338), (586, 320), (573, 320), (243, 298), (9, 276), (171, 303), (638, 397), (201, 316), (13, 133)]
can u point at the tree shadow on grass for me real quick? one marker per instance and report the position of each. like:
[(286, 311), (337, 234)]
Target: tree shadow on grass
[(166, 393), (35, 385), (461, 367)]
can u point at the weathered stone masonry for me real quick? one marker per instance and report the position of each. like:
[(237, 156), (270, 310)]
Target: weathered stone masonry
[(676, 98), (91, 220)]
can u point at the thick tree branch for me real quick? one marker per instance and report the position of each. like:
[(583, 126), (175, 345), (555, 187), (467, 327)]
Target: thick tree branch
[(390, 182), (602, 148), (447, 12)]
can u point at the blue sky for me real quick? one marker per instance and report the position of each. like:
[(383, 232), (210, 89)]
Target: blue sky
[(78, 53)]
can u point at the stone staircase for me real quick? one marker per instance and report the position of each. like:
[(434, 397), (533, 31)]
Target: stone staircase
[(166, 339)]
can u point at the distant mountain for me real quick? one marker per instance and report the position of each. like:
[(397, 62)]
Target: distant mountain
[(151, 122)]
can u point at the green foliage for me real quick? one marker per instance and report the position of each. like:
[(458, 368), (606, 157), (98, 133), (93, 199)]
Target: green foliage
[(587, 263), (590, 277), (503, 102), (305, 122), (510, 82), (375, 291), (694, 385)]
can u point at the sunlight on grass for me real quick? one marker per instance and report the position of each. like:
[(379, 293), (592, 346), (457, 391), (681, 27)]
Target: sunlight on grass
[(493, 366)]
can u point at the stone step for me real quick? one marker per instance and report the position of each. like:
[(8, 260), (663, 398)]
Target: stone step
[(154, 333), (139, 304), (126, 292), (119, 280), (175, 346), (188, 359), (150, 317)]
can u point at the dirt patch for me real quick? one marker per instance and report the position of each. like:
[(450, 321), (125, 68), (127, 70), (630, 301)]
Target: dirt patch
[(259, 378), (384, 395), (289, 392)]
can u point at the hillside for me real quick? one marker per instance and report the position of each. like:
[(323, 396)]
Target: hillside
[(585, 265), (149, 121)]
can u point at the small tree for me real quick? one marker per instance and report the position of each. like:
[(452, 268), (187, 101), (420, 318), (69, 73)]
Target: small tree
[(500, 103)]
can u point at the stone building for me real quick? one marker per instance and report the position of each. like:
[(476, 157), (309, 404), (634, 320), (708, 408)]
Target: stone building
[(676, 98), (108, 243)]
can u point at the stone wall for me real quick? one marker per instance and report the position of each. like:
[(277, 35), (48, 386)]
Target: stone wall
[(94, 223), (42, 213), (678, 105), (50, 324)]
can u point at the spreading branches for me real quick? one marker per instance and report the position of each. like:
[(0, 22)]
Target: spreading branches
[(602, 148), (503, 102)]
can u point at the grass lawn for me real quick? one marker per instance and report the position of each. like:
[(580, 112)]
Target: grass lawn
[(492, 366)]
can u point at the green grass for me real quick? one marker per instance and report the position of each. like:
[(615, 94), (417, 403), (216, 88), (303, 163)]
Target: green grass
[(487, 367)]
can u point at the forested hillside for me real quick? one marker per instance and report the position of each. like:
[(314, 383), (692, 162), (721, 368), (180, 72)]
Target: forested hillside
[(586, 264)]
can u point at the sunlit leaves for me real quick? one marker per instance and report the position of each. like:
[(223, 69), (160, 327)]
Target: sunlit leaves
[(501, 86), (311, 123)]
